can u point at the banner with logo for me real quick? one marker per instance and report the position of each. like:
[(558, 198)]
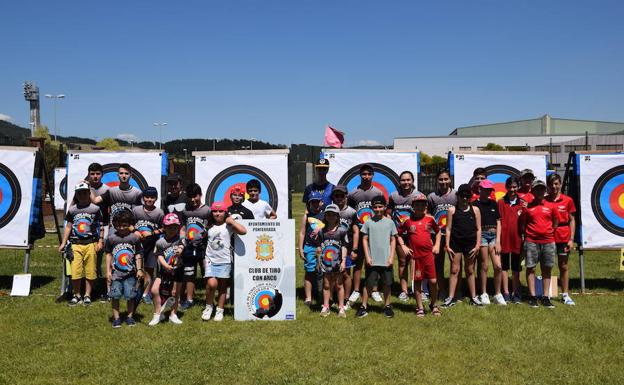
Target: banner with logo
[(60, 188), (148, 167), (498, 167), (344, 167), (217, 172), (18, 187), (601, 185), (264, 271)]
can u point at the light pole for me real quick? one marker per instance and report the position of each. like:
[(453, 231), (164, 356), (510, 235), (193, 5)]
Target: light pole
[(185, 152), (55, 97), (160, 125), (251, 143)]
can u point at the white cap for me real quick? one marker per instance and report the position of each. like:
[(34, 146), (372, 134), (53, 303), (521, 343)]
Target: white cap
[(82, 186)]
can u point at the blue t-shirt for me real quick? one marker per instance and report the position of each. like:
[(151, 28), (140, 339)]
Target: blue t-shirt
[(324, 189)]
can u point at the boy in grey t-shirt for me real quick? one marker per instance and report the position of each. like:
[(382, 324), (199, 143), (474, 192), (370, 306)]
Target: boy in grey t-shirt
[(378, 240)]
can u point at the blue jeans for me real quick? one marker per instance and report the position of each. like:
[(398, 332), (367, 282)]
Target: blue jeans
[(125, 287)]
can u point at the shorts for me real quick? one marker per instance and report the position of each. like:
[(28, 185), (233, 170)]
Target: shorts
[(125, 287), (540, 252), (150, 260), (218, 270), (310, 262), (424, 268), (562, 249), (512, 259), (83, 264), (375, 273), (462, 245), (190, 257), (488, 238), (349, 262)]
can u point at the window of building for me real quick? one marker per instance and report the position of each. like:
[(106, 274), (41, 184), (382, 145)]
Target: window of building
[(465, 148), (576, 147), (555, 148), (610, 147)]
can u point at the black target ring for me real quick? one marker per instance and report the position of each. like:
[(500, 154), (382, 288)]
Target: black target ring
[(110, 174), (11, 183), (604, 186), (236, 175), (379, 169), (63, 188)]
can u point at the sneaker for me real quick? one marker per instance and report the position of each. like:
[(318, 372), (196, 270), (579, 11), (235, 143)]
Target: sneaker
[(218, 315), (324, 312), (116, 323), (532, 302), (361, 313), (449, 302), (173, 318), (376, 297), (207, 313), (484, 299), (155, 320), (474, 301), (507, 297), (76, 300), (167, 305), (547, 303), (86, 301), (516, 299), (499, 300), (104, 298), (354, 296), (342, 313), (388, 312), (308, 303), (147, 299), (185, 305), (403, 297), (566, 299), (130, 321), (347, 306)]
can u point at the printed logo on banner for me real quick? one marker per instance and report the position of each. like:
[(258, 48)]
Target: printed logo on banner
[(111, 179), (264, 248), (238, 176), (498, 174), (264, 301), (607, 200), (384, 179), (10, 195)]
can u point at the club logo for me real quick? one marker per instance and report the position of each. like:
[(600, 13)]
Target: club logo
[(607, 200), (264, 301), (123, 259), (10, 195), (264, 248)]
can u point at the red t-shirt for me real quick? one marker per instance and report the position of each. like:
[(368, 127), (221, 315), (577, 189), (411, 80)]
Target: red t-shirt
[(419, 232), (475, 196), (527, 196), (564, 207), (538, 218), (511, 240)]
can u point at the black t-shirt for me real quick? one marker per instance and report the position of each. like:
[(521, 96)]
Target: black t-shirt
[(489, 214), (238, 211)]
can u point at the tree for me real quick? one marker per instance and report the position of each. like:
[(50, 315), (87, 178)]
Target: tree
[(109, 144), (493, 147), (43, 132), (437, 159), (424, 158)]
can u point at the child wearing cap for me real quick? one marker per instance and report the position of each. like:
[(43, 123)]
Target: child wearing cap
[(320, 184), (311, 224), (524, 189), (418, 229), (510, 208), (84, 230), (538, 223), (218, 258), (148, 228), (379, 241), (261, 209), (236, 209), (332, 253), (168, 250), (490, 242)]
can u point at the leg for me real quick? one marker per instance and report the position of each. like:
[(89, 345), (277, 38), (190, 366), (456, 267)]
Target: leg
[(346, 283), (563, 272), (546, 271), (515, 270), (469, 267), (403, 270), (156, 295), (115, 305), (454, 276), (484, 252), (340, 290), (222, 285), (326, 291), (76, 283), (307, 285), (418, 293), (498, 269), (439, 267), (149, 274), (433, 291), (211, 286), (530, 277), (130, 305), (88, 287)]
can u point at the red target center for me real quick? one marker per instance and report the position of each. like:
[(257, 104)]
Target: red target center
[(616, 200)]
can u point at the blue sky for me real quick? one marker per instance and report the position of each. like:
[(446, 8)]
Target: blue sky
[(280, 71)]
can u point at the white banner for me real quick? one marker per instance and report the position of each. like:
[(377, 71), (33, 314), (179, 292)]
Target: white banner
[(147, 168), (17, 167), (499, 167), (60, 188), (218, 172), (264, 271), (344, 167), (601, 178)]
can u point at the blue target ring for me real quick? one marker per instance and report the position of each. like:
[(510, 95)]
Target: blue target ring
[(124, 260), (607, 200), (498, 175), (384, 178), (10, 195), (238, 176), (111, 179)]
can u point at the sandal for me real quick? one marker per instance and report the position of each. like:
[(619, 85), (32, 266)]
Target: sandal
[(435, 310), (420, 313)]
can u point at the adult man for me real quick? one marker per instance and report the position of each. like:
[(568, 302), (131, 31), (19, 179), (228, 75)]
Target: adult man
[(125, 196), (320, 184), (176, 198)]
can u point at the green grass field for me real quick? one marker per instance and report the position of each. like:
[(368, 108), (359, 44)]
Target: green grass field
[(50, 343)]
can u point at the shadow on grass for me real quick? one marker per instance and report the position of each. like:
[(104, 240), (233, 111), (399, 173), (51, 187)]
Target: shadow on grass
[(37, 281), (612, 284)]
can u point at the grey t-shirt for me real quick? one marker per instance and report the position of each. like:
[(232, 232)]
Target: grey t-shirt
[(86, 222), (332, 243), (360, 200), (148, 221), (118, 199), (167, 248), (347, 218), (379, 232), (438, 206), (401, 206), (98, 191), (196, 222), (101, 189), (124, 251)]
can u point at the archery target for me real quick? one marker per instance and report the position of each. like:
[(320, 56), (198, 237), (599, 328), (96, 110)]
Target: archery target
[(219, 172), (384, 178), (123, 260), (60, 187), (498, 175), (10, 195), (111, 178)]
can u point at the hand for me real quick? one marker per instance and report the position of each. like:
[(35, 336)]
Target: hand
[(435, 250), (473, 252), (369, 261), (99, 246), (497, 248), (343, 266), (390, 262), (301, 255), (61, 247), (109, 277), (140, 274), (229, 220), (570, 245), (168, 267), (450, 253), (407, 250)]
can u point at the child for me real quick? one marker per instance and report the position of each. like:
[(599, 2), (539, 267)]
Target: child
[(564, 234), (85, 232), (510, 208), (332, 253), (490, 242), (148, 229), (311, 224), (538, 223), (379, 246), (260, 209), (418, 229), (524, 188), (168, 250), (236, 209), (123, 264), (463, 240), (218, 258)]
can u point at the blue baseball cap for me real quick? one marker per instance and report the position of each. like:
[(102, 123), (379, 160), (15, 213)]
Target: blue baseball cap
[(150, 191), (315, 196)]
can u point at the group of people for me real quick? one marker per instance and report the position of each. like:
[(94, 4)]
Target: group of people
[(163, 249), (345, 232)]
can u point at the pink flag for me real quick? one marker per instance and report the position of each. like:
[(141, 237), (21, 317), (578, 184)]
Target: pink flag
[(333, 137)]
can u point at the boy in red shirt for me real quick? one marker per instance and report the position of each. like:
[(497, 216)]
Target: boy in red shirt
[(538, 223), (524, 189), (564, 234), (418, 229)]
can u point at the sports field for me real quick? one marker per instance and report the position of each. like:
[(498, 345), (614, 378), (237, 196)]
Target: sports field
[(49, 343)]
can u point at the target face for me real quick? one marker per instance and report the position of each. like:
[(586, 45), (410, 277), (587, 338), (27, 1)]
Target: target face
[(170, 257), (145, 230), (329, 255), (63, 188), (365, 214), (498, 174), (82, 227), (384, 179), (607, 200), (440, 218), (194, 231), (123, 260), (111, 178), (10, 195), (264, 300), (238, 176), (401, 216)]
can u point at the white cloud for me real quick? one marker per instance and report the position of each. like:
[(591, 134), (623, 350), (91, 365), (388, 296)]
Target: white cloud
[(369, 142), (6, 118), (128, 137)]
